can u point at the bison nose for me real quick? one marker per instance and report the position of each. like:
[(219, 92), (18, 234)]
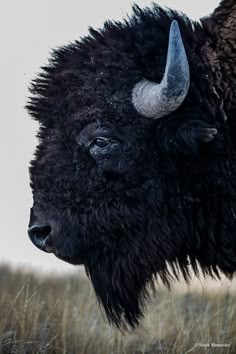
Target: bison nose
[(41, 236)]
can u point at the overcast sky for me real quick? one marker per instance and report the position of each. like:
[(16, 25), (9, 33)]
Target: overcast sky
[(29, 29)]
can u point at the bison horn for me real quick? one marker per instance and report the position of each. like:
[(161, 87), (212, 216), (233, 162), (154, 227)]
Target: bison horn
[(154, 100)]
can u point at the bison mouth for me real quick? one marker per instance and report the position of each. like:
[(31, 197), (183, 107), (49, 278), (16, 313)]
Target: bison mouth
[(74, 260), (60, 238)]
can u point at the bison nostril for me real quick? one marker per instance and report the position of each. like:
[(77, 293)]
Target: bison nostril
[(40, 235), (40, 231)]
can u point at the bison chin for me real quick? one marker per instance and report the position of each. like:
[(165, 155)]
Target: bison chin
[(121, 289), (122, 282)]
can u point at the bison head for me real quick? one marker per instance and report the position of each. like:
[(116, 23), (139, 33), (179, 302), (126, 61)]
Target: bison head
[(124, 178)]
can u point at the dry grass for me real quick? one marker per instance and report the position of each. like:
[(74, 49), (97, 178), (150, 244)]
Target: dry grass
[(61, 315)]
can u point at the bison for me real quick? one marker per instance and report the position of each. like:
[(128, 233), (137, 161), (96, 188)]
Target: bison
[(134, 175)]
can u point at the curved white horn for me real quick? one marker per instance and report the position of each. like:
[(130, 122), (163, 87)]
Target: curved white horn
[(154, 100)]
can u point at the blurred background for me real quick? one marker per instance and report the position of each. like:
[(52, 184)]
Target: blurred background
[(29, 30)]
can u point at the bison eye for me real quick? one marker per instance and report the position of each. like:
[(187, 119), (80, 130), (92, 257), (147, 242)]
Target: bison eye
[(101, 146), (100, 142)]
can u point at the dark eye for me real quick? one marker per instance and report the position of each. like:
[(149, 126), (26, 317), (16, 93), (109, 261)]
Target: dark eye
[(100, 142)]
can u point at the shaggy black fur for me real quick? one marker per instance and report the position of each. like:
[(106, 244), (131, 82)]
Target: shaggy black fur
[(127, 196)]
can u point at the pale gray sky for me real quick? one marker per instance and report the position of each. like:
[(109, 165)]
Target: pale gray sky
[(28, 30)]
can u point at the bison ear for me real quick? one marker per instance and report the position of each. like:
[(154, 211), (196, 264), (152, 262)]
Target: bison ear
[(186, 138)]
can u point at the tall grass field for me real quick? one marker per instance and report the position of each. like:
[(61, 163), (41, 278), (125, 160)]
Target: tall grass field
[(52, 314)]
